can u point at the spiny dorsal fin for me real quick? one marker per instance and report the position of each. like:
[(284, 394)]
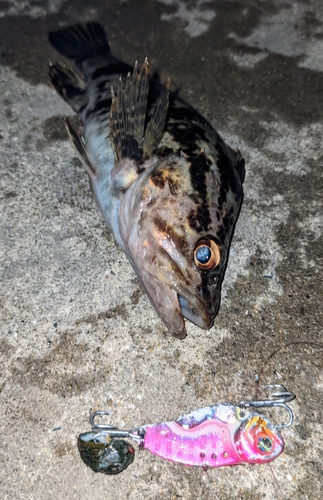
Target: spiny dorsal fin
[(156, 125), (128, 113), (79, 146), (69, 85), (128, 116)]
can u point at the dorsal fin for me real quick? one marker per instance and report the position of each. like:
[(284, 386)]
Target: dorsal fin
[(128, 117), (156, 125)]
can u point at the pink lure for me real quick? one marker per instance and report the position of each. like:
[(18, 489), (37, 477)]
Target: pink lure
[(213, 437)]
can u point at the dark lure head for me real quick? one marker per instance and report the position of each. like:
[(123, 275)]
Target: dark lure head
[(102, 454)]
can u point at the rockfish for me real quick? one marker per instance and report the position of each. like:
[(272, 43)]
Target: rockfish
[(166, 184)]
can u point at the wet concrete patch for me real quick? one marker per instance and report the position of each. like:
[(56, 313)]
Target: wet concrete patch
[(119, 310), (67, 369), (54, 130)]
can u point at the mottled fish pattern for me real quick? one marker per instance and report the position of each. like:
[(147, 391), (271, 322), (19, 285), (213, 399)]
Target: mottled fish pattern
[(167, 185)]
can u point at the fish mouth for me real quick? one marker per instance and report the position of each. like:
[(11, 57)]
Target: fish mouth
[(172, 307), (204, 320), (178, 302), (173, 303), (175, 298)]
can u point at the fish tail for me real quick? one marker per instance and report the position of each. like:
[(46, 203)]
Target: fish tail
[(85, 45), (80, 42)]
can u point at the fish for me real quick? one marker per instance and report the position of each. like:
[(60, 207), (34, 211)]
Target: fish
[(167, 185)]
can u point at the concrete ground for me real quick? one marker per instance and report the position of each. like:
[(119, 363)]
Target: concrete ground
[(77, 332)]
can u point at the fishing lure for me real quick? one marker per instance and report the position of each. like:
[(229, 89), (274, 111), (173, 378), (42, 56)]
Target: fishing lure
[(214, 436)]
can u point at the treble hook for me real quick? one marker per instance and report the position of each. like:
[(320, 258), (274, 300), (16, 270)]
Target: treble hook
[(279, 398), (113, 431)]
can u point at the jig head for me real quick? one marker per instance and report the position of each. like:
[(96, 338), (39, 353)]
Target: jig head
[(214, 436)]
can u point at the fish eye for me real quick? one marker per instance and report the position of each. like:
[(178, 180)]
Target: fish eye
[(264, 444), (207, 255)]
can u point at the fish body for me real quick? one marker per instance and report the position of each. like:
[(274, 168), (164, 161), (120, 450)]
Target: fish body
[(167, 185)]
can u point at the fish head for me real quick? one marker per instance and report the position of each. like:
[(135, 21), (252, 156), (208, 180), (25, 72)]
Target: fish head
[(257, 440), (176, 222)]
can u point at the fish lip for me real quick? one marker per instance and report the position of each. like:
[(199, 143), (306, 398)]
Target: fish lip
[(198, 308), (189, 305), (170, 316), (186, 304), (202, 318)]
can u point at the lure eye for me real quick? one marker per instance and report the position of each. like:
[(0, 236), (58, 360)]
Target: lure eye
[(207, 255), (264, 444)]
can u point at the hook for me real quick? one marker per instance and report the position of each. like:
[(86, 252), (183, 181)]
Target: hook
[(113, 431), (279, 398)]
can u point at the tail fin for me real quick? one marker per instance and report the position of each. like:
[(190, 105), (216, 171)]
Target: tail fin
[(80, 41)]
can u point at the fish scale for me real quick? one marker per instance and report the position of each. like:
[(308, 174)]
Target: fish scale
[(167, 185)]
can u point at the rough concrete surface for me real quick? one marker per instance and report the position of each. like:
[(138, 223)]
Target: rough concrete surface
[(77, 332)]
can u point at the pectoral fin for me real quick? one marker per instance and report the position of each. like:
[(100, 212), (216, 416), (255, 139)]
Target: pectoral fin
[(79, 146)]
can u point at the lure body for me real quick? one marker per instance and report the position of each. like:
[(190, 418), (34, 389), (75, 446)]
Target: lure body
[(214, 436)]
